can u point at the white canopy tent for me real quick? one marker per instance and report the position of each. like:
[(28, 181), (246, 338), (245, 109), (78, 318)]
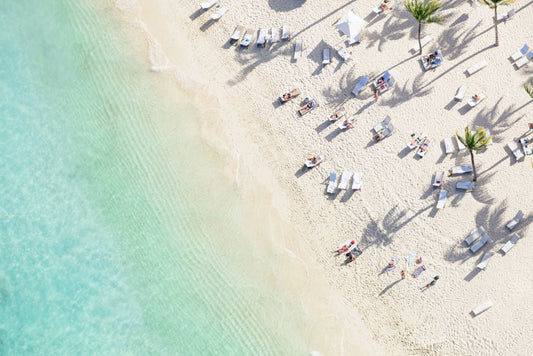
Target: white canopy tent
[(352, 26)]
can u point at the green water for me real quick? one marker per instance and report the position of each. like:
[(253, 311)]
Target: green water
[(118, 235)]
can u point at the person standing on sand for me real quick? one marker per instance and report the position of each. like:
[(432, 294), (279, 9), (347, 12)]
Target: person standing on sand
[(430, 284), (403, 274)]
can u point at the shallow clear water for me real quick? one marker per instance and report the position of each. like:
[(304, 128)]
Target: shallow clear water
[(118, 235)]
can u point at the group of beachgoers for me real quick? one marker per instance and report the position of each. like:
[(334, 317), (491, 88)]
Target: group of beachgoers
[(350, 250)]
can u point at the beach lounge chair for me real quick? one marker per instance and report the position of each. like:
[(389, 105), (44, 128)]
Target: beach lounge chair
[(506, 15), (207, 4), (332, 184), (325, 56), (289, 95), (524, 141), (417, 141), (476, 67), (382, 79), (247, 39), (298, 49), (386, 86), (357, 180), (383, 129), (511, 224), (461, 169), (518, 155), (311, 164), (337, 114), (438, 179), (285, 32), (479, 244), (385, 5), (432, 63), (274, 35), (424, 41), (519, 54), (522, 61), (362, 82), (510, 244), (221, 11), (465, 185), (484, 260), (460, 145), (461, 92), (262, 37), (343, 53), (474, 235), (308, 107), (345, 178), (473, 102), (423, 149), (481, 308), (237, 33), (348, 123), (448, 145), (442, 199)]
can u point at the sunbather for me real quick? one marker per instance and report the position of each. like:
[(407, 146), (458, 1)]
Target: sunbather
[(476, 97), (424, 147), (344, 248), (313, 159), (430, 284), (348, 123), (350, 256), (288, 96), (336, 115)]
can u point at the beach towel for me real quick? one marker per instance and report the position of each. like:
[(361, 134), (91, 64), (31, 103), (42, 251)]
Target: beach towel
[(418, 271), (412, 257), (394, 262)]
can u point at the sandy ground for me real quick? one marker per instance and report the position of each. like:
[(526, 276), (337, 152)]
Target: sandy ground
[(395, 212)]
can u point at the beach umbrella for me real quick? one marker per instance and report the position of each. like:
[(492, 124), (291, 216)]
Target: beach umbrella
[(351, 25)]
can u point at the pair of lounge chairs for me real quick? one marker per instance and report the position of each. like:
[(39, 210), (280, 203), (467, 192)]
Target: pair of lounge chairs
[(343, 184), (263, 36), (521, 57), (383, 129), (480, 232), (439, 176), (433, 60), (220, 12), (524, 141), (424, 147), (383, 83), (513, 146)]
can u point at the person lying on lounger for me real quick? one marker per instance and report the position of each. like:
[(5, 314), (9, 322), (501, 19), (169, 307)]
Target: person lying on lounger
[(344, 248), (313, 159), (336, 115), (350, 256), (476, 97), (348, 123), (424, 147), (288, 96)]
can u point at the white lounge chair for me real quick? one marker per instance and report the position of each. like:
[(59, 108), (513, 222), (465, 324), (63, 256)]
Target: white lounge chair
[(383, 129), (465, 185), (247, 39), (518, 155), (477, 67), (337, 114), (298, 49), (428, 63), (345, 55), (482, 307), (348, 123), (424, 41), (473, 102), (438, 179), (360, 85), (357, 180), (274, 35), (285, 32), (448, 145), (311, 164), (442, 199), (345, 178), (325, 56), (522, 61), (262, 37), (461, 169), (424, 148), (511, 224), (460, 145), (484, 260), (461, 92), (506, 15), (237, 33), (474, 235), (510, 244), (207, 4), (482, 241), (332, 185), (519, 54), (219, 13), (417, 141), (524, 141)]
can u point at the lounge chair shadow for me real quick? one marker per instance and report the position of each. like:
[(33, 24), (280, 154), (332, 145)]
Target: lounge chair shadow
[(370, 143), (464, 109), (472, 274), (323, 126), (228, 44), (433, 212), (276, 104), (331, 136), (347, 195), (303, 170), (207, 25), (428, 192), (451, 104), (404, 153), (389, 287), (197, 14)]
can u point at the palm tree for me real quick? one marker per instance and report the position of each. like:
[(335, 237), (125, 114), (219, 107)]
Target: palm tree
[(423, 11), (474, 142), (493, 4), (529, 88)]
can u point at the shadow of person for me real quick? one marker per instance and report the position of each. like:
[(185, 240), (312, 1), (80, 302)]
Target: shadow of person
[(389, 287)]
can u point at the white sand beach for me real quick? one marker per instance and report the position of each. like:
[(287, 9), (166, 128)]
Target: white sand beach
[(394, 214)]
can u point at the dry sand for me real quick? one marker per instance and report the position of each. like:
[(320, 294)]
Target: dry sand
[(394, 214)]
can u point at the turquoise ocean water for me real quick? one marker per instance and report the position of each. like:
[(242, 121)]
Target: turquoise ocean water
[(118, 236)]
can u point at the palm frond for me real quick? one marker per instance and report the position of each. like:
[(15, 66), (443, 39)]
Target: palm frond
[(493, 3), (423, 11), (529, 89)]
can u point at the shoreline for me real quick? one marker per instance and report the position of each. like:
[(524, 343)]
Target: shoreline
[(270, 140)]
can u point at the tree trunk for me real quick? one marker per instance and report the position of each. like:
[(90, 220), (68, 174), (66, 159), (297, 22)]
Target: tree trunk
[(419, 42), (473, 165), (496, 23)]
